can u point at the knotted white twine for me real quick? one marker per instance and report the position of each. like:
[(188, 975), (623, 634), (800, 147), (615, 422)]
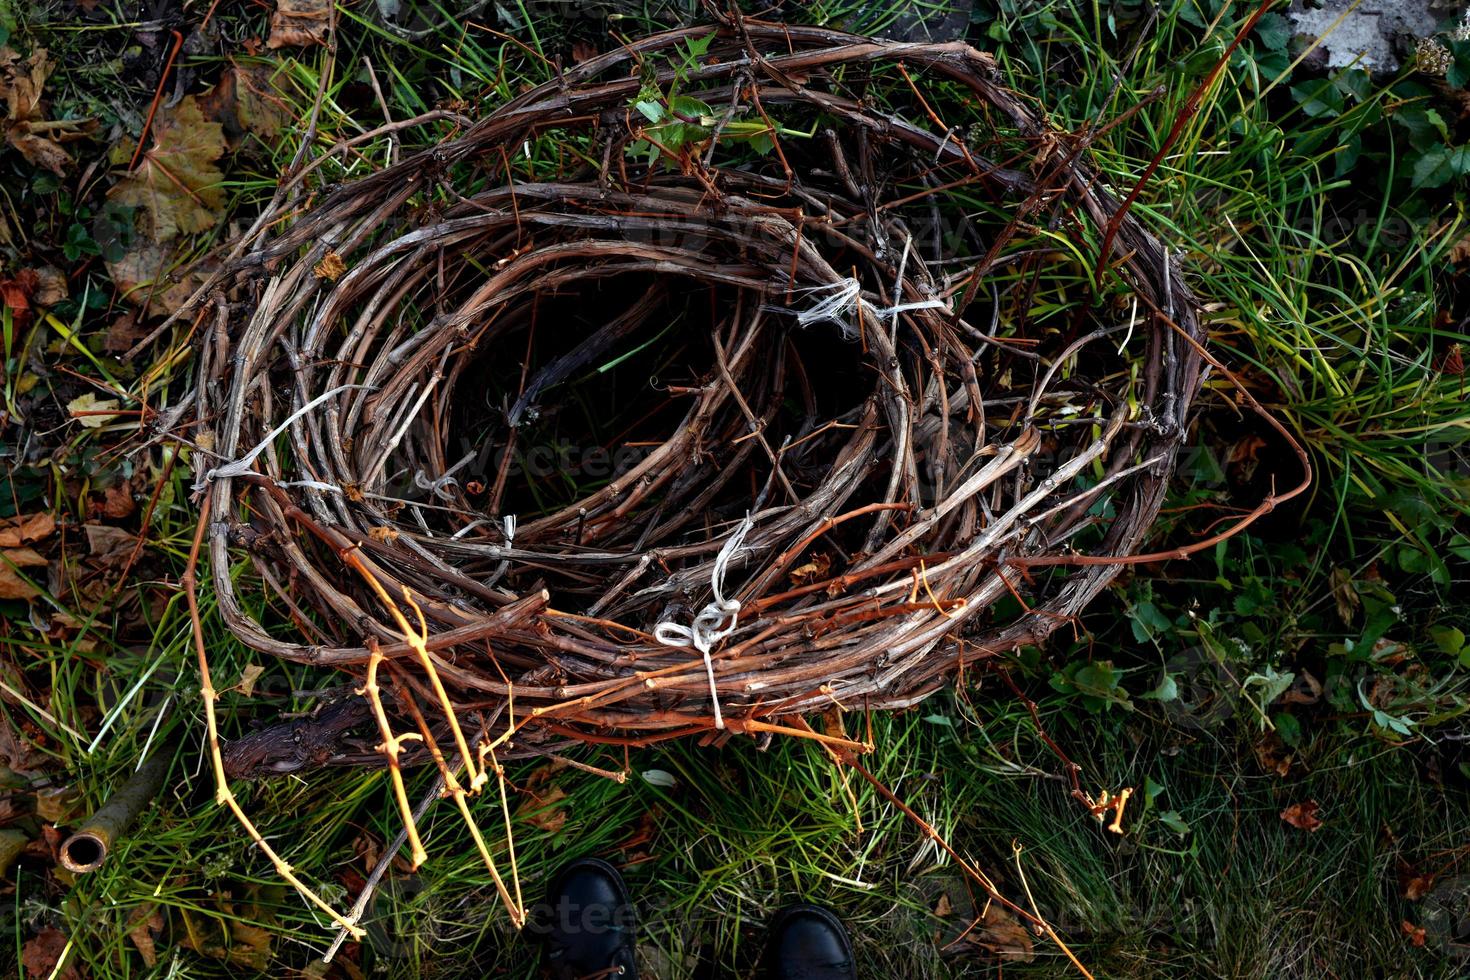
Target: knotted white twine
[(716, 620), (242, 466), (846, 299), (439, 487)]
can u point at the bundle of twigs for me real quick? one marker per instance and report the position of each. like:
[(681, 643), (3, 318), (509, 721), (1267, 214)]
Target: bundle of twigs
[(884, 381)]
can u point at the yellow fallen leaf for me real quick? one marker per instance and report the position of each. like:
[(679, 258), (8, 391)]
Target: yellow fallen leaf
[(248, 677), (92, 412)]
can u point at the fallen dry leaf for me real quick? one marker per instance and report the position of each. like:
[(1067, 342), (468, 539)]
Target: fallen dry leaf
[(51, 286), (583, 51), (12, 586), (547, 815), (1415, 933), (92, 412), (41, 953), (123, 333), (154, 276), (59, 804), (250, 98), (1303, 816), (300, 23), (142, 925), (248, 677), (104, 539), (25, 529), (1273, 754), (1305, 689), (26, 128), (1460, 251), (813, 570), (16, 294), (1345, 595), (117, 502), (1414, 887), (999, 933), (177, 182), (250, 946)]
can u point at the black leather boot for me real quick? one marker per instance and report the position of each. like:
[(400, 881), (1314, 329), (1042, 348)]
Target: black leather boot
[(588, 924), (808, 942)]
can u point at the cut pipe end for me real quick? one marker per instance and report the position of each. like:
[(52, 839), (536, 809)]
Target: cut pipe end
[(82, 852)]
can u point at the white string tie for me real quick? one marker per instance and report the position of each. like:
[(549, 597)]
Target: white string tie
[(242, 466), (845, 299), (716, 620), (440, 487)]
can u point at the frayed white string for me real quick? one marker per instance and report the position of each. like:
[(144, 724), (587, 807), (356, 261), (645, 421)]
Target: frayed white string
[(440, 487), (845, 299), (508, 528), (716, 620), (242, 466), (310, 485)]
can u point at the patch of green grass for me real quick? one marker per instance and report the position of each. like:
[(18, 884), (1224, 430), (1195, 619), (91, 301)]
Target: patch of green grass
[(1328, 291)]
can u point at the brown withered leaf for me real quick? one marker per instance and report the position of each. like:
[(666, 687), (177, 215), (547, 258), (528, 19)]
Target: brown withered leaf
[(1304, 689), (43, 951), (543, 812), (1413, 885), (249, 98), (1273, 754), (117, 502), (813, 570), (155, 277), (248, 946), (248, 677), (12, 586), (177, 182), (26, 127), (17, 292), (998, 933), (105, 540), (51, 286), (300, 23), (583, 51), (1345, 595), (143, 925), (1415, 933), (26, 529), (1303, 816), (123, 333)]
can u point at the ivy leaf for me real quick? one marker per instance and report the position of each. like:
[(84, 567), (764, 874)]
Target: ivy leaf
[(1317, 99), (177, 182), (1441, 164), (1458, 73), (1167, 690), (1274, 32), (1176, 823), (1427, 128), (1449, 639)]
